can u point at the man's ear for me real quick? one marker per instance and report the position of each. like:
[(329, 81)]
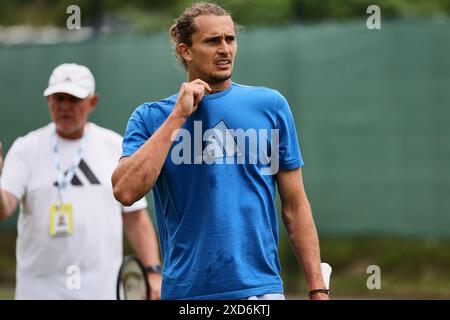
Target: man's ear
[(184, 51), (93, 101)]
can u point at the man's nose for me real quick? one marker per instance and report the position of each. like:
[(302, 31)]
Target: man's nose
[(224, 47)]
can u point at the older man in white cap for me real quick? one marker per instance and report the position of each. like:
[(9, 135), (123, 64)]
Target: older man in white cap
[(69, 243)]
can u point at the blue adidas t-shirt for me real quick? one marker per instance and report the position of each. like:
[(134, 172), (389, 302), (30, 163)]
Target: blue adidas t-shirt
[(215, 196)]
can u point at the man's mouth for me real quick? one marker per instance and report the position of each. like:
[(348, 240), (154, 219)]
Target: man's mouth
[(223, 62)]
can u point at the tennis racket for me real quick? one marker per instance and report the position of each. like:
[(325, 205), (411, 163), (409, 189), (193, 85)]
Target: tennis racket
[(132, 283)]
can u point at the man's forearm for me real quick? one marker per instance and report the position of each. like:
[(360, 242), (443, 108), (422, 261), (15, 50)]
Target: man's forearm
[(303, 236), (135, 177), (8, 204)]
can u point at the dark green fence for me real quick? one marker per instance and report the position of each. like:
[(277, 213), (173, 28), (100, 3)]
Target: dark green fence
[(372, 109)]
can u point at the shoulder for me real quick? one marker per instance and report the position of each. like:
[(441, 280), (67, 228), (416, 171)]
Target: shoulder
[(29, 145), (262, 96), (33, 137), (147, 108), (105, 140), (149, 115), (257, 91), (105, 135)]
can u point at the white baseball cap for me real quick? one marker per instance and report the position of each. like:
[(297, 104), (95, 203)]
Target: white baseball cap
[(71, 78)]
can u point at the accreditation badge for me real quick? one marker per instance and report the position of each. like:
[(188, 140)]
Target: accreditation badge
[(61, 221)]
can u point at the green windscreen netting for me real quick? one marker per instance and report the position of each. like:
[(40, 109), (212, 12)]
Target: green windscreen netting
[(372, 109)]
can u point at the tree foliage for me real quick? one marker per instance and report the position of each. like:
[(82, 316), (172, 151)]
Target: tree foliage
[(154, 15)]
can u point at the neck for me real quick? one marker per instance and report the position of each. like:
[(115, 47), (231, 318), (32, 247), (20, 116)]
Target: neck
[(73, 135), (215, 85), (220, 86)]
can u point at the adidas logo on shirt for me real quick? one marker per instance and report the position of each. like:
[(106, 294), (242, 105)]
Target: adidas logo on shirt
[(219, 143), (86, 173)]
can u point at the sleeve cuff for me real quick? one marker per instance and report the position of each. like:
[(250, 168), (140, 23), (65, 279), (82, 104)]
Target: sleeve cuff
[(15, 193), (138, 205), (294, 164)]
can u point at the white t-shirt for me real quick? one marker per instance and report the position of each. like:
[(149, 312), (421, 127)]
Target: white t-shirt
[(85, 264)]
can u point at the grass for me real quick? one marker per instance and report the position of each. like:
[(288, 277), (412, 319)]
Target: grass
[(7, 294), (411, 268)]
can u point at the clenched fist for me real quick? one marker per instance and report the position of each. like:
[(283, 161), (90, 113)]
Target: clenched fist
[(189, 96)]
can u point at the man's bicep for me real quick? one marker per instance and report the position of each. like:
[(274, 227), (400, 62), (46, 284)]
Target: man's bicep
[(12, 200), (290, 186), (130, 217), (136, 133), (288, 146)]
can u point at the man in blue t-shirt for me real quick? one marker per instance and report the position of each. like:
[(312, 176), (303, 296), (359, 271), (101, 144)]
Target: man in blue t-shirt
[(212, 154)]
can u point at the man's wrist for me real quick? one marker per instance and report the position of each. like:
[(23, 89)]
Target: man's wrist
[(153, 268), (178, 115), (318, 291)]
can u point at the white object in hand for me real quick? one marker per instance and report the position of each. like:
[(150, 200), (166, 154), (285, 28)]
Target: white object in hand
[(326, 273)]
